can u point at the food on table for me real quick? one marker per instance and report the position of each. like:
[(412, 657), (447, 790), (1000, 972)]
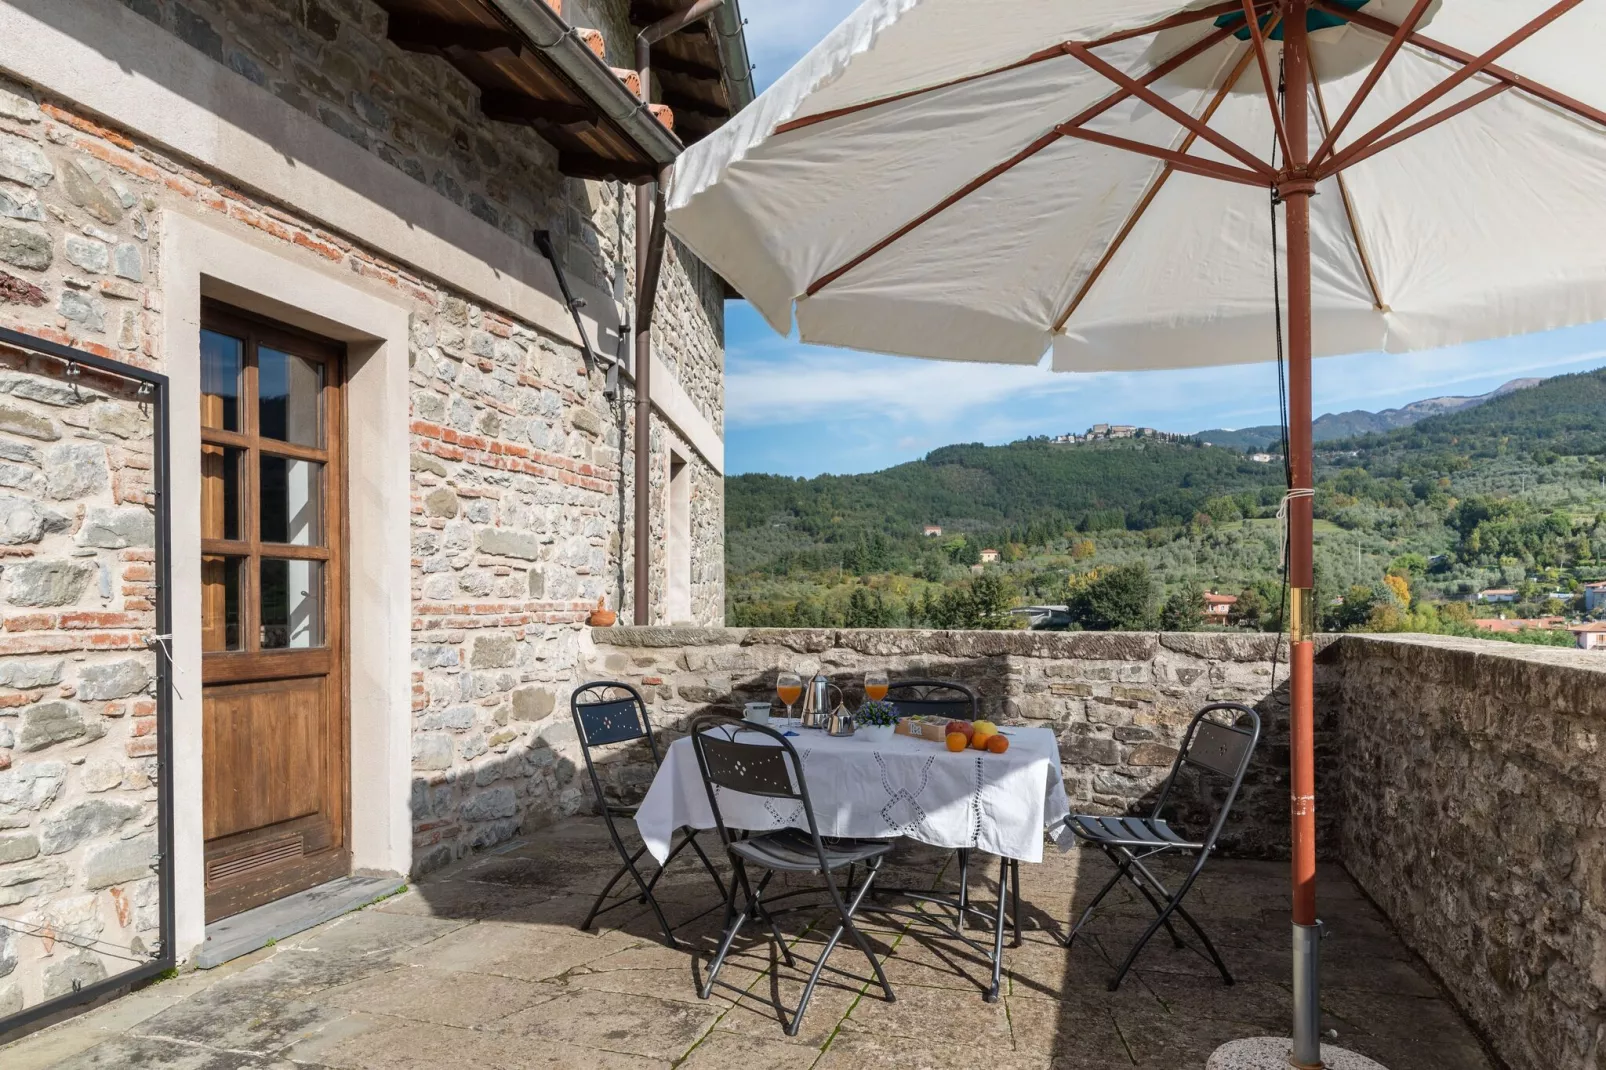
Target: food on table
[(964, 727), (957, 741), (980, 739), (986, 726), (998, 743)]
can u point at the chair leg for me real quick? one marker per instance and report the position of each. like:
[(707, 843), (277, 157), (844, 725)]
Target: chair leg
[(1155, 903), (733, 925), (844, 924), (761, 911), (1070, 937), (596, 906), (1014, 897), (991, 995), (1131, 956), (1175, 902)]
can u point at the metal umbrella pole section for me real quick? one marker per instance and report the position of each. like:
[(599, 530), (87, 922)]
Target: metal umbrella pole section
[(1294, 183), (152, 390)]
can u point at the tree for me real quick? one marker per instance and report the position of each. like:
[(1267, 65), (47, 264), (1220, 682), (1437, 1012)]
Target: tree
[(867, 612), (1118, 599), (1183, 611), (1400, 588)]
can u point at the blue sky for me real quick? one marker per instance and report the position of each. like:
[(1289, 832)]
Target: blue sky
[(801, 410)]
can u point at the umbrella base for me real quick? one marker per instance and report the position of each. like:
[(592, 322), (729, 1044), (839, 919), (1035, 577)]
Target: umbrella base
[(1271, 1053)]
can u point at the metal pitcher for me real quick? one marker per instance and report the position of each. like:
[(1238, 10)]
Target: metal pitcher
[(817, 701), (842, 722)]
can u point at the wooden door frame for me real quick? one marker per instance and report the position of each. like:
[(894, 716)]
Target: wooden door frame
[(332, 658)]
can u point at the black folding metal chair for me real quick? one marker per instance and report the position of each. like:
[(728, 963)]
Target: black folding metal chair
[(1218, 751), (607, 713), (766, 765), (956, 701)]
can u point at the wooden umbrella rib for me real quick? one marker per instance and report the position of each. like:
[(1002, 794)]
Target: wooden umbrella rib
[(1147, 199), (1176, 114), (1180, 161), (1355, 154), (1258, 44), (1054, 52), (1087, 114), (1470, 70), (1343, 195), (1386, 57), (1439, 48)]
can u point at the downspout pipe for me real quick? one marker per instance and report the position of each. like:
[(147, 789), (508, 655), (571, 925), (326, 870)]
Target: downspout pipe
[(649, 264)]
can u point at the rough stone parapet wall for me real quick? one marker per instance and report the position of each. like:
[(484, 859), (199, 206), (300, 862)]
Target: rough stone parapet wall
[(1119, 702), (78, 894), (1474, 813)]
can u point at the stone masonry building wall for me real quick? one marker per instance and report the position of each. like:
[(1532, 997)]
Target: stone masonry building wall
[(77, 709), (521, 469)]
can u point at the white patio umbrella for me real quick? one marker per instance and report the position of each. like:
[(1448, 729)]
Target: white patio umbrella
[(988, 181)]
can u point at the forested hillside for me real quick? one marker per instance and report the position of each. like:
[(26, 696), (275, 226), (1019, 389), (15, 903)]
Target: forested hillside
[(1511, 491)]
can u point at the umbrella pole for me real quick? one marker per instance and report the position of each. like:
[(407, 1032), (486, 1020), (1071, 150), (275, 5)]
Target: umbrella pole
[(1296, 191)]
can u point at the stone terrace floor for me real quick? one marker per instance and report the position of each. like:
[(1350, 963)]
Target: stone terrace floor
[(483, 965)]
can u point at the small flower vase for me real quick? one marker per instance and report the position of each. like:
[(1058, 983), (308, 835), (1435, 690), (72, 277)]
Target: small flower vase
[(876, 733)]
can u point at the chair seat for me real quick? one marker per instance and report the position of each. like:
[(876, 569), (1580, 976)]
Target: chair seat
[(793, 850), (1129, 832)]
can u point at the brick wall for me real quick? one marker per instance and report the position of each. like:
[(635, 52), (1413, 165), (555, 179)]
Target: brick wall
[(77, 711), (1119, 702)]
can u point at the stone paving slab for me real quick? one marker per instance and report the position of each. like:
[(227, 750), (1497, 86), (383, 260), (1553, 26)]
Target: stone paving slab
[(484, 965)]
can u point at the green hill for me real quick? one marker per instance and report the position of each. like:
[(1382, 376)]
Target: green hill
[(1499, 491)]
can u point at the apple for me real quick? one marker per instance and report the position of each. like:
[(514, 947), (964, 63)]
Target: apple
[(964, 728)]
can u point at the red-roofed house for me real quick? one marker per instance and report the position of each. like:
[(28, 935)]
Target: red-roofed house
[(1219, 606)]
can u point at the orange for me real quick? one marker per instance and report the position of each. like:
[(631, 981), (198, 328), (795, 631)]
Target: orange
[(957, 741), (979, 740), (998, 744)]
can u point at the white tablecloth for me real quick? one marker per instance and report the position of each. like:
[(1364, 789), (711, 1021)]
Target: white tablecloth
[(997, 803)]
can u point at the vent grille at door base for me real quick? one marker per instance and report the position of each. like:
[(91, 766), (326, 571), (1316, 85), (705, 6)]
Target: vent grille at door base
[(266, 855)]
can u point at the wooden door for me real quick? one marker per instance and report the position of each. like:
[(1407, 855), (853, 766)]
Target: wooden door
[(274, 732)]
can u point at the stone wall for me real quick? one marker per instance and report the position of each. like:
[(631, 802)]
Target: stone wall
[(77, 709), (1119, 702), (521, 469), (1474, 813)]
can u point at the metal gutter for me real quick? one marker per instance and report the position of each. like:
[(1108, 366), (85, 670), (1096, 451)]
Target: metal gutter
[(561, 44), (734, 62)]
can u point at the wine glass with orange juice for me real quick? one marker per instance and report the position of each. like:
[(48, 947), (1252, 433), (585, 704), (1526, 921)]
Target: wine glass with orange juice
[(788, 688), (875, 685)]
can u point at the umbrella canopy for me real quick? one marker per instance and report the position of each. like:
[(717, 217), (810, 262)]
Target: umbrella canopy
[(946, 178)]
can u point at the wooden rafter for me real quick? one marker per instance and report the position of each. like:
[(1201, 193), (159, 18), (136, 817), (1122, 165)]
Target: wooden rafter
[(504, 106), (1055, 52), (1148, 196), (424, 33), (1026, 153)]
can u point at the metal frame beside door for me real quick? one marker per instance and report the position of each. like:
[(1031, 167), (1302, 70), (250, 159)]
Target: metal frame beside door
[(156, 389)]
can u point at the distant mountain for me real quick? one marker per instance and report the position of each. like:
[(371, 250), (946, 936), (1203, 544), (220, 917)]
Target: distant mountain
[(1335, 425)]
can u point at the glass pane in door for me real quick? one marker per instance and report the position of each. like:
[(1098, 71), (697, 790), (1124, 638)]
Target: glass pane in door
[(220, 491), (222, 360), (289, 398), (291, 501), (292, 604), (221, 579)]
